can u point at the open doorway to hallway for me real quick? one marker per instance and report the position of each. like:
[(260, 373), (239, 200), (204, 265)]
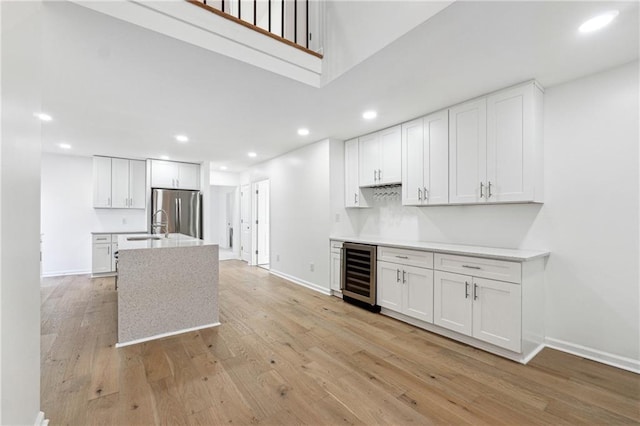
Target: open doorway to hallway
[(261, 229), (224, 220)]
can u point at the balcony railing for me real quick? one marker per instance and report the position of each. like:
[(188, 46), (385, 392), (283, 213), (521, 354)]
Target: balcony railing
[(289, 21)]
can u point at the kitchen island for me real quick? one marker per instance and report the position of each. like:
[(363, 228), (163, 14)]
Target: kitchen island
[(166, 286)]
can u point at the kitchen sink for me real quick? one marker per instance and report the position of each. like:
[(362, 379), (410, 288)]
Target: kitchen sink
[(144, 238)]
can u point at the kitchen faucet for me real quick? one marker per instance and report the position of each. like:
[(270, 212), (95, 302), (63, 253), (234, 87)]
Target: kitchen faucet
[(160, 224)]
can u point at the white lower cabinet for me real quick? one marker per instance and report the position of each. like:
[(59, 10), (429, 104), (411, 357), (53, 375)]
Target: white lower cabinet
[(406, 289), (103, 261), (484, 309), (101, 258), (335, 266)]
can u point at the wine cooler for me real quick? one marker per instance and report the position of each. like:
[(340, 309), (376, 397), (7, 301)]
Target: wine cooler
[(358, 275)]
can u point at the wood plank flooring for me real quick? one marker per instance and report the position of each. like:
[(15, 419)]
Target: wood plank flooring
[(287, 355)]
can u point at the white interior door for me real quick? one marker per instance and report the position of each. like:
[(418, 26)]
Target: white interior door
[(262, 222), (245, 223)]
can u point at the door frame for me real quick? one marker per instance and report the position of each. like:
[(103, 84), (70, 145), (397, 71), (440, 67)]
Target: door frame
[(255, 227), (245, 246)]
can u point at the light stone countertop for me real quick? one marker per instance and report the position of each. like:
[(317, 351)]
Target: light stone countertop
[(518, 255), (174, 240), (116, 232)]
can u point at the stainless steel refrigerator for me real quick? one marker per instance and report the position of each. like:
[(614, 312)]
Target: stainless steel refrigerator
[(181, 211)]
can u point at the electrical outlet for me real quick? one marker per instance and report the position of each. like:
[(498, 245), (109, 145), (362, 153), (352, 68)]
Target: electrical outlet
[(277, 258), (312, 267)]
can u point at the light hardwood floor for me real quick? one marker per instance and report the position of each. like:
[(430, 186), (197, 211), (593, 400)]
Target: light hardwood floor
[(287, 355)]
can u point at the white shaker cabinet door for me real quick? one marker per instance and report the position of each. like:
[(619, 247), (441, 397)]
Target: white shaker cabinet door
[(452, 297), (188, 176), (101, 258), (389, 286), (353, 196), (101, 182), (413, 164), (418, 293), (163, 174), (369, 154), (436, 158), (497, 313), (510, 155), (390, 162), (120, 183), (335, 271), (137, 184), (468, 152)]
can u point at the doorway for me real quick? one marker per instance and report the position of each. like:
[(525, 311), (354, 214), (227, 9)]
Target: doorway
[(224, 220), (245, 223), (261, 230)]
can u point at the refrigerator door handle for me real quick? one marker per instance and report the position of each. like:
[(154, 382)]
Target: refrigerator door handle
[(180, 215), (176, 217)]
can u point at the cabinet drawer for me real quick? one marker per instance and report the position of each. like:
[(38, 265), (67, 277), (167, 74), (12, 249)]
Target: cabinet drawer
[(422, 259), (336, 246), (101, 238), (479, 267)]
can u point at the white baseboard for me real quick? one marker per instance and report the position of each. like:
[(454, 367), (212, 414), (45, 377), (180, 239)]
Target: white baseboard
[(62, 273), (41, 420), (301, 282), (613, 360), (160, 336)]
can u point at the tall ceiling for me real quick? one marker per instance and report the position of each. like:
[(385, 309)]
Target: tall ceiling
[(116, 89)]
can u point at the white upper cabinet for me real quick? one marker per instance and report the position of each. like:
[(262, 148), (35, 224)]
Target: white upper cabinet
[(514, 145), (119, 183), (468, 152), (354, 196), (128, 178), (495, 147), (101, 182), (425, 156), (380, 157), (137, 184), (171, 174), (188, 176)]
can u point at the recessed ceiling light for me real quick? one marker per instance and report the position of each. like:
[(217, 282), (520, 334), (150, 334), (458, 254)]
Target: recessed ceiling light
[(303, 132), (223, 167), (164, 157), (369, 115), (598, 22), (42, 116), (64, 145), (182, 138), (252, 154)]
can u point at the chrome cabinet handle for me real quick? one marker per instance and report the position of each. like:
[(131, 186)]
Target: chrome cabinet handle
[(379, 174), (489, 190), (402, 257), (481, 189), (178, 183), (466, 290), (109, 249), (471, 267), (426, 193), (375, 177), (397, 275), (404, 279), (419, 194), (475, 292), (355, 198)]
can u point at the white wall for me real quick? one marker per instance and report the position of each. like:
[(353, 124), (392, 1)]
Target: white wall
[(353, 33), (19, 213), (300, 226), (589, 221), (68, 216)]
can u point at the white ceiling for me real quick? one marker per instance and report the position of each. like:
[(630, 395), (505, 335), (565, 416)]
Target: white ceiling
[(117, 89)]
